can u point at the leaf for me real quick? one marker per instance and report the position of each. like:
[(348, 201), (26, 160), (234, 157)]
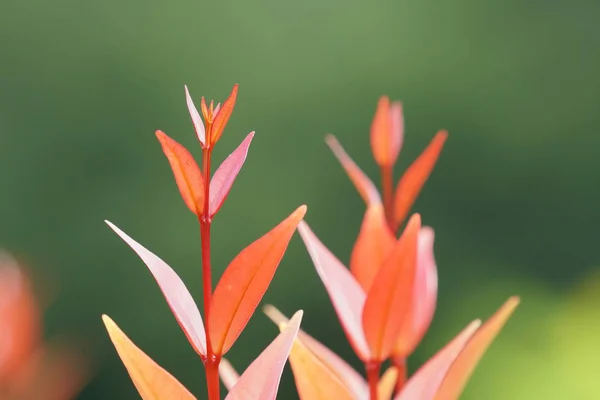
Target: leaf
[(424, 297), (245, 281), (374, 243), (386, 133), (150, 379), (424, 384), (363, 184), (222, 116), (228, 374), (464, 365), (346, 294), (352, 380), (223, 179), (186, 171), (178, 297), (387, 383), (415, 177), (389, 297), (196, 120), (261, 379)]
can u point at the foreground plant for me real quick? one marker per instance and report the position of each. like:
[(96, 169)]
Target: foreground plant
[(228, 309), (386, 300), (32, 368)]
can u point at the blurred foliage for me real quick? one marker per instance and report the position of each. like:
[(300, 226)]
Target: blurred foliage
[(514, 199)]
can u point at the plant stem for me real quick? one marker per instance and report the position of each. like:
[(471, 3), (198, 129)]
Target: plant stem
[(387, 185), (373, 368), (212, 361), (400, 364)]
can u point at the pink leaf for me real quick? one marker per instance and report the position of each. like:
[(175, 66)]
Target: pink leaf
[(223, 179), (179, 298), (261, 379), (345, 292), (198, 125)]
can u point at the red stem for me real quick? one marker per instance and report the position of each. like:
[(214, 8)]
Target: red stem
[(400, 364), (387, 185), (212, 361), (373, 368)]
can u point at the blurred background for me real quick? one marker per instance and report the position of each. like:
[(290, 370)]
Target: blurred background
[(514, 198)]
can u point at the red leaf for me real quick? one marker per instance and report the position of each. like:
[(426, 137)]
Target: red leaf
[(186, 171), (374, 243), (261, 379), (386, 132), (179, 298), (363, 184), (346, 294), (196, 120), (245, 281), (389, 298), (223, 179), (459, 373), (220, 120), (149, 378), (415, 177)]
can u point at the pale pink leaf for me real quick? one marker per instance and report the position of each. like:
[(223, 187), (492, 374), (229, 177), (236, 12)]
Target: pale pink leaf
[(228, 374), (223, 179), (177, 295), (196, 120), (261, 379), (345, 292)]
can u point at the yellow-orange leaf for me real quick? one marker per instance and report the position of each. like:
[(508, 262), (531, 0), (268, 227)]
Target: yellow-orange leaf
[(415, 177), (223, 114), (373, 245), (245, 281), (387, 383), (390, 295), (462, 368), (150, 379), (187, 173)]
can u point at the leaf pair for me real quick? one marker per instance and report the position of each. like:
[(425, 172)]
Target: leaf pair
[(189, 178), (371, 319), (260, 381), (238, 293), (321, 374)]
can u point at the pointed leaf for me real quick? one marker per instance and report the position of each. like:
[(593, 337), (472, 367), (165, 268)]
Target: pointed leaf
[(366, 188), (228, 374), (374, 243), (387, 383), (346, 295), (415, 177), (221, 118), (424, 297), (179, 298), (261, 379), (245, 281), (390, 295), (151, 380), (223, 179), (351, 379), (464, 365), (386, 133), (424, 384), (186, 171), (196, 120)]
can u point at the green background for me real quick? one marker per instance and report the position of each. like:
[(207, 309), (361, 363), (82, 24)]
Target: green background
[(514, 198)]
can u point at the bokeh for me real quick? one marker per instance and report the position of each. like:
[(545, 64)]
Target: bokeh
[(514, 200)]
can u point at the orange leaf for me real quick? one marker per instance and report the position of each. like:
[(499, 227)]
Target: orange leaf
[(387, 383), (390, 295), (374, 243), (186, 171), (415, 177), (220, 120), (150, 379), (245, 281), (386, 132), (366, 188), (462, 368)]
